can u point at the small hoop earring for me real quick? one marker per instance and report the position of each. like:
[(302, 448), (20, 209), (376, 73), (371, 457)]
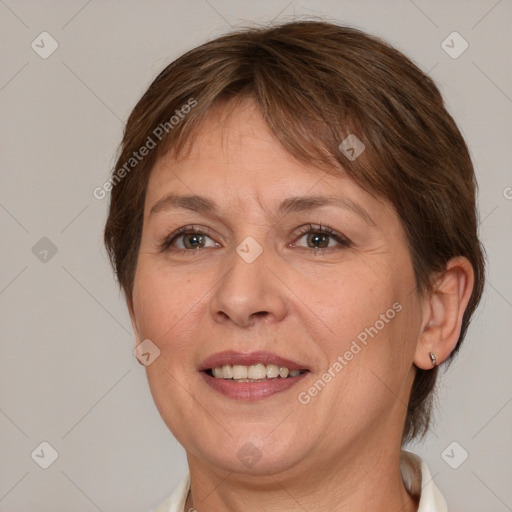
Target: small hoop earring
[(433, 358)]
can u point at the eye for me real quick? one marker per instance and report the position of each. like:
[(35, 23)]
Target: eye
[(188, 239), (320, 238)]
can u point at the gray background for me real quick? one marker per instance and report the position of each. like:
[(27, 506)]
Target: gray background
[(67, 372)]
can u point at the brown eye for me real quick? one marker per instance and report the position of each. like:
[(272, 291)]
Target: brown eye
[(188, 239), (193, 240), (322, 237), (318, 240)]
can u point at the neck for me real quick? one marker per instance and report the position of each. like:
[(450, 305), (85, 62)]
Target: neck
[(345, 484)]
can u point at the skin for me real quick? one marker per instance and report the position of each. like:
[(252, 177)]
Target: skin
[(340, 451)]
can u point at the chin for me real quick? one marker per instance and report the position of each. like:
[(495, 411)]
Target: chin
[(253, 453), (251, 460)]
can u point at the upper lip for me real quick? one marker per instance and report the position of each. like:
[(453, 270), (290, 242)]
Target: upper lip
[(231, 357)]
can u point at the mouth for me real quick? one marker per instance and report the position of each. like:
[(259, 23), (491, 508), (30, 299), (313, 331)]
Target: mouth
[(253, 373), (251, 376)]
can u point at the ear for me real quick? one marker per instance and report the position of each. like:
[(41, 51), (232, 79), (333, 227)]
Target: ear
[(443, 312)]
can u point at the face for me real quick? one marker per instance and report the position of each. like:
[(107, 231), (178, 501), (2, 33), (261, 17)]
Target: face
[(288, 269)]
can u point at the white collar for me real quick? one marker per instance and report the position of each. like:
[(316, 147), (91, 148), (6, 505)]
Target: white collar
[(415, 474), (419, 482)]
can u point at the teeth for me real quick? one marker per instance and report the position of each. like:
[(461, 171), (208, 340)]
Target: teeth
[(257, 371), (254, 372), (283, 372), (272, 371), (239, 372), (226, 372)]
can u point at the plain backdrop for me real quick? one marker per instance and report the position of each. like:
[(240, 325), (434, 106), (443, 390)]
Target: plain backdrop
[(68, 376)]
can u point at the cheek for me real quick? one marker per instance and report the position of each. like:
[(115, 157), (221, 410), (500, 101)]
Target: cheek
[(165, 304), (374, 355), (162, 302), (354, 301), (373, 311)]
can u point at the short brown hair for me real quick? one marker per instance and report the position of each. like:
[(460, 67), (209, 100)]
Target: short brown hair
[(316, 83)]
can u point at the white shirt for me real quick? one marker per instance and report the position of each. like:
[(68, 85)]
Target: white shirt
[(415, 475)]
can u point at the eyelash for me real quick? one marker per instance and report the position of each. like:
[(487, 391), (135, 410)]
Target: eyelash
[(309, 228)]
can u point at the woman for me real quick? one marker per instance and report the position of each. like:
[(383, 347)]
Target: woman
[(293, 224)]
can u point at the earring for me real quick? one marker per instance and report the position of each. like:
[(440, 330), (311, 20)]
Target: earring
[(433, 358)]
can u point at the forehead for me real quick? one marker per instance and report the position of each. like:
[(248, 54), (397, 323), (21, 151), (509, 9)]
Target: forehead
[(233, 146), (234, 158)]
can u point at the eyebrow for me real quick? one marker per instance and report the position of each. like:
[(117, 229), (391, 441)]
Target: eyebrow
[(297, 204)]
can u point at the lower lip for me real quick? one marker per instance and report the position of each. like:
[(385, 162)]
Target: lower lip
[(251, 390)]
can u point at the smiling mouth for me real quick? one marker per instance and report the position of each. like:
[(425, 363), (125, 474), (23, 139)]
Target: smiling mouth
[(253, 373)]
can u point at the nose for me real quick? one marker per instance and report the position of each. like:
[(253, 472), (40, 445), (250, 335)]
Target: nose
[(250, 291)]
